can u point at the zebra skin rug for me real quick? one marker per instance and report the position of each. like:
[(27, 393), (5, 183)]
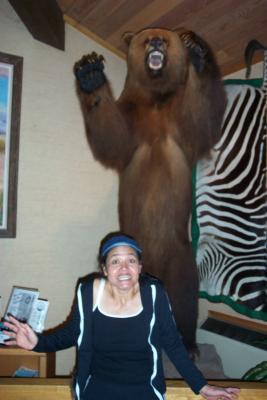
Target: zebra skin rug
[(231, 208)]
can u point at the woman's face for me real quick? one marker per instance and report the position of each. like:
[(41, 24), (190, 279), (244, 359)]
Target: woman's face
[(122, 267)]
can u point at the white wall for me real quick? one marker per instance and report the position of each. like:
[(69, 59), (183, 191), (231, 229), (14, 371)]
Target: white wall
[(256, 72), (237, 357), (66, 200)]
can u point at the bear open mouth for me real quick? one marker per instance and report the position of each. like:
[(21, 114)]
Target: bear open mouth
[(155, 60)]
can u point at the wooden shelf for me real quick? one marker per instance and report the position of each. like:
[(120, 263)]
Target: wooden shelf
[(12, 358), (241, 322)]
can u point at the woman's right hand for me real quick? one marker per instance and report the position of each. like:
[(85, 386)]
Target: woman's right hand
[(21, 334)]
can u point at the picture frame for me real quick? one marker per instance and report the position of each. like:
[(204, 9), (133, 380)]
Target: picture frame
[(11, 68)]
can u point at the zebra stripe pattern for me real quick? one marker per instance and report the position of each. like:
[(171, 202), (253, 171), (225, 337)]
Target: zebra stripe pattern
[(231, 204)]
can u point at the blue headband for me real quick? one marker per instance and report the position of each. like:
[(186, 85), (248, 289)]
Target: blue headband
[(116, 241)]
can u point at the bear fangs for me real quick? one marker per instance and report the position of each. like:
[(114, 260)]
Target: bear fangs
[(155, 60)]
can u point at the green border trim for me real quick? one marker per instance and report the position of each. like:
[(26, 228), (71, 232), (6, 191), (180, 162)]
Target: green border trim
[(252, 82), (241, 309), (194, 224)]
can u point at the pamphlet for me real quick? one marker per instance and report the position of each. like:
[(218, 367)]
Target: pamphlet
[(21, 302), (38, 315), (25, 306)]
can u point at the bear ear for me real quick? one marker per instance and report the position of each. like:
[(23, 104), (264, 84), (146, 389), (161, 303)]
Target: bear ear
[(196, 47), (127, 37)]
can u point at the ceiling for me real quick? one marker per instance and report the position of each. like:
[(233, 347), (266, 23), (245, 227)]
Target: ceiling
[(227, 25)]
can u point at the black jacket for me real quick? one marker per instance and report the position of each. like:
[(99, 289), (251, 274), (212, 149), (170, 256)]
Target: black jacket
[(162, 335)]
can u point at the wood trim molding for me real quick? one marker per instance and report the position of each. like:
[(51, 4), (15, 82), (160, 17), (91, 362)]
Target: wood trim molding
[(241, 322), (93, 36)]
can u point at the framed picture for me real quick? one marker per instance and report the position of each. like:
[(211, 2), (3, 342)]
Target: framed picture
[(10, 103)]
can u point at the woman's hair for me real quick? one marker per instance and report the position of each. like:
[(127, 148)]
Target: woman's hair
[(114, 239)]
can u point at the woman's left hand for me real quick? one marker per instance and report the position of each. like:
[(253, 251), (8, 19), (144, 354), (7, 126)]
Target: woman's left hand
[(219, 393)]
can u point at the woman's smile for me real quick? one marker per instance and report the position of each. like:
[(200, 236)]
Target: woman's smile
[(124, 277)]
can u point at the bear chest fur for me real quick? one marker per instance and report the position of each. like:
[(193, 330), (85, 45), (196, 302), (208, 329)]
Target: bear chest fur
[(155, 174)]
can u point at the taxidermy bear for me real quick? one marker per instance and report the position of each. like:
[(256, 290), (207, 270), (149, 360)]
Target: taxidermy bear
[(168, 116)]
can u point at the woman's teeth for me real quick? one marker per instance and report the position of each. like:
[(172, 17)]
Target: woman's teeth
[(124, 277)]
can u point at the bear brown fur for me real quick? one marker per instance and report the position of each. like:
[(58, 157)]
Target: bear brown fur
[(167, 117)]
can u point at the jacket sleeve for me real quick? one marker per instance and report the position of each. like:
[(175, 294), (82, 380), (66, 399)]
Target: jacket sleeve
[(62, 337), (172, 343)]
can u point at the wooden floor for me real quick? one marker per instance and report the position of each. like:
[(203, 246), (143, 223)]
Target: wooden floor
[(60, 389)]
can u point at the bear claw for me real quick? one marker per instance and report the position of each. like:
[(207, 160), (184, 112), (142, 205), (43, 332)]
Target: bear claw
[(92, 58), (89, 72)]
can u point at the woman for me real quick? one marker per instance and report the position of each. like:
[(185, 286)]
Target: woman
[(120, 324)]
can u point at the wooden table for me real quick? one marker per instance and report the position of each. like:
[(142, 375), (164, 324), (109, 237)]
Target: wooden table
[(60, 389)]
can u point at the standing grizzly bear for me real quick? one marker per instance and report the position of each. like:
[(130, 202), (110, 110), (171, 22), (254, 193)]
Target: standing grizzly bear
[(167, 117)]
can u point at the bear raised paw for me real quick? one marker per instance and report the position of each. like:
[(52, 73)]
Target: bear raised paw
[(89, 72), (167, 117)]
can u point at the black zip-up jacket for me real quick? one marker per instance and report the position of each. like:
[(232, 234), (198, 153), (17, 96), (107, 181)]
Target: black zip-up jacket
[(163, 334)]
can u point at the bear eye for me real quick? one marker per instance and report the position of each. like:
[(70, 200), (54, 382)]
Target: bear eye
[(146, 42)]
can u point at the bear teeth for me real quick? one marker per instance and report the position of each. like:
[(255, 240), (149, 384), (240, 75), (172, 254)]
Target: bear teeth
[(155, 60)]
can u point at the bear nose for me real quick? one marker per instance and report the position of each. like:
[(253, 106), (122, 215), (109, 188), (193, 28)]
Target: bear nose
[(156, 42)]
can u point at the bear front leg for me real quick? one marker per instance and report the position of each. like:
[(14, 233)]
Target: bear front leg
[(107, 132), (201, 114), (89, 72)]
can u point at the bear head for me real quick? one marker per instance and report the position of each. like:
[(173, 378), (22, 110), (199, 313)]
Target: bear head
[(157, 59), (160, 60)]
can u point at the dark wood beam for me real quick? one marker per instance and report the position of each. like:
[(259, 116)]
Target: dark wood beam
[(44, 20)]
